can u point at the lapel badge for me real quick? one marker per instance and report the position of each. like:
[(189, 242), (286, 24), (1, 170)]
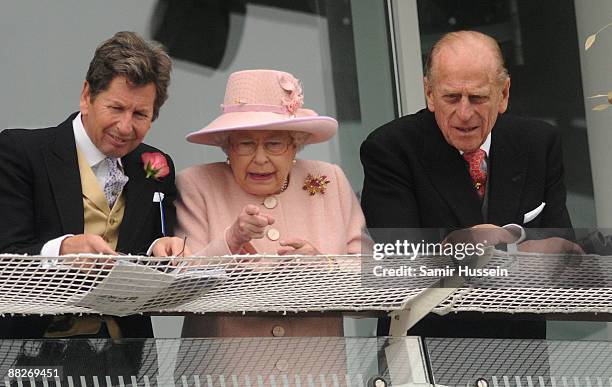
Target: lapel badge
[(315, 184)]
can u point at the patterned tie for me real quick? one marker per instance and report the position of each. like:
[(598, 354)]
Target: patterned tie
[(477, 167), (115, 181)]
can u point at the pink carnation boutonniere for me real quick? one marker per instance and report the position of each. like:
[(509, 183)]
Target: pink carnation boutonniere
[(155, 165)]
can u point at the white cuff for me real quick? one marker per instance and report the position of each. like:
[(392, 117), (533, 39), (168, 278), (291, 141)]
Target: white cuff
[(52, 249), (516, 230), (150, 249)]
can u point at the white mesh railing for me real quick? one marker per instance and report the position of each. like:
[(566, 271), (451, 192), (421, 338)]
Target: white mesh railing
[(539, 283), (129, 284)]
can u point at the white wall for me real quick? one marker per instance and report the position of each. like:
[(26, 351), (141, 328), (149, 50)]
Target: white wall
[(46, 49), (596, 64)]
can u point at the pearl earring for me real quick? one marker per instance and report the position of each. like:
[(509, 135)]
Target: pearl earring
[(227, 161)]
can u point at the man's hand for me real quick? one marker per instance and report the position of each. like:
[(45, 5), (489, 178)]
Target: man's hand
[(554, 245), (296, 246), (85, 243), (487, 234), (170, 247), (250, 224)]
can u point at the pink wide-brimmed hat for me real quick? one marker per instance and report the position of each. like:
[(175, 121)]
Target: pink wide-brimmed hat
[(265, 100)]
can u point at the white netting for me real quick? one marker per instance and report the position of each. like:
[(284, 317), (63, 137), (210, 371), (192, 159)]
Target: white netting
[(125, 285), (539, 283)]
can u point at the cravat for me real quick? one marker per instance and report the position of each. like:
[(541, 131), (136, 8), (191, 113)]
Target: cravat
[(477, 167), (115, 181)]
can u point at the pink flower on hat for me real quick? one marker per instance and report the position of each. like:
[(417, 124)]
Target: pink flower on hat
[(293, 99), (155, 165)]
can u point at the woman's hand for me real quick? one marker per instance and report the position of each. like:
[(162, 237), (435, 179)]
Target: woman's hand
[(250, 224), (296, 246)]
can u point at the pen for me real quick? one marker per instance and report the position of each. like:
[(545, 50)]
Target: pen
[(159, 198)]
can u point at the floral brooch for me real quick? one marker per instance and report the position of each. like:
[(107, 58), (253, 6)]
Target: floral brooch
[(315, 184)]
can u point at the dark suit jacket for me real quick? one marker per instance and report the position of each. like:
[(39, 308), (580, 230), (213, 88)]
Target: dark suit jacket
[(41, 199), (415, 179)]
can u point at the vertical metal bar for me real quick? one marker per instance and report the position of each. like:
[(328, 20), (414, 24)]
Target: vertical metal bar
[(394, 58)]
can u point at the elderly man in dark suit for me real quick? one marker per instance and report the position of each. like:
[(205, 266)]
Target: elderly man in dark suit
[(81, 187), (461, 163)]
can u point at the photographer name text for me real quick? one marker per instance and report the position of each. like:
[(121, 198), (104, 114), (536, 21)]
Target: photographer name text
[(448, 271)]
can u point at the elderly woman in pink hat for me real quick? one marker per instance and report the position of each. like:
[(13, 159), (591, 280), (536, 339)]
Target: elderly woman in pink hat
[(263, 199)]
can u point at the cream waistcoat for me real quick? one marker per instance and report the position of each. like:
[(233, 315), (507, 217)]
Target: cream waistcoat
[(99, 219)]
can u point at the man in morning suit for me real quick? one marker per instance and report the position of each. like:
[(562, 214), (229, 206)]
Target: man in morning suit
[(462, 163), (80, 187)]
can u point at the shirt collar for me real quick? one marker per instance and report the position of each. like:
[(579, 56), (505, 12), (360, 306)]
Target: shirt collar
[(486, 145), (91, 153)]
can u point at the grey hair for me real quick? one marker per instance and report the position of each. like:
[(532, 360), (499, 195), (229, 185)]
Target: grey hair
[(299, 139), (128, 55), (502, 72)]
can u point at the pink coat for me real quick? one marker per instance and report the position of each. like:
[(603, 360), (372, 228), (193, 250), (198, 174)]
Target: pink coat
[(209, 202)]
